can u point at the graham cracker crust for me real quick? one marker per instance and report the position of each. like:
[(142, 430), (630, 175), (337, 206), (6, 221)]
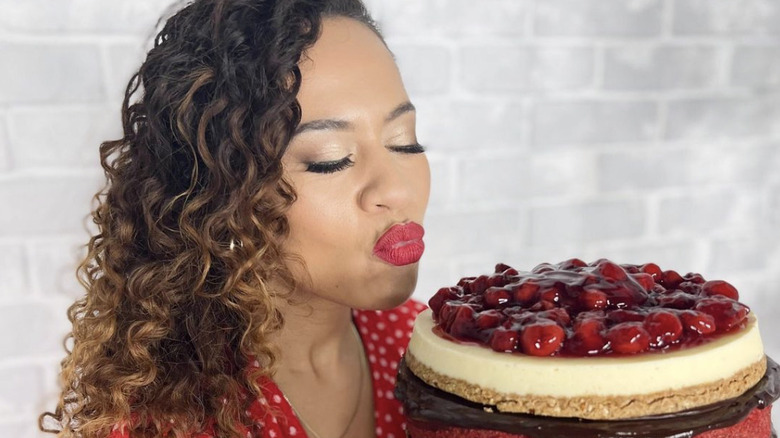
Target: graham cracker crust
[(596, 407)]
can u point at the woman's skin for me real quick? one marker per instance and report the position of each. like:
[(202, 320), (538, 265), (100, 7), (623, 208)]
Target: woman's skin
[(349, 76)]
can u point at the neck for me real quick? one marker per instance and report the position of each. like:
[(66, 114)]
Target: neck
[(316, 337)]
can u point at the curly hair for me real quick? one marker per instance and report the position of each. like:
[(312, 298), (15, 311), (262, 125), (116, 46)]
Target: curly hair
[(174, 309)]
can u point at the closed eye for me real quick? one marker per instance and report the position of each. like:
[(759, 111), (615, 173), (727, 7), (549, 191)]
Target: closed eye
[(330, 166), (415, 148)]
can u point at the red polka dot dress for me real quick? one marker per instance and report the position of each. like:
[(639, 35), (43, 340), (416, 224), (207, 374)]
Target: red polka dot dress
[(385, 335)]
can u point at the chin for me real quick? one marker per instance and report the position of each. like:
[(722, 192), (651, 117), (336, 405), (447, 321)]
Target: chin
[(395, 291)]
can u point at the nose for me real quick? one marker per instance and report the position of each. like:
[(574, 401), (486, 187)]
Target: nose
[(391, 184)]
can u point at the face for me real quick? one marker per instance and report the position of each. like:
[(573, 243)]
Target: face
[(361, 178)]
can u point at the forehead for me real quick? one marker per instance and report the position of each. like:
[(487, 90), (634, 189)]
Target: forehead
[(348, 71)]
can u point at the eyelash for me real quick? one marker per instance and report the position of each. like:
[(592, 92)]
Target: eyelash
[(339, 165)]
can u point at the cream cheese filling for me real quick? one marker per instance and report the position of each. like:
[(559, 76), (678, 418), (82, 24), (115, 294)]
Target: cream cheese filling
[(569, 377)]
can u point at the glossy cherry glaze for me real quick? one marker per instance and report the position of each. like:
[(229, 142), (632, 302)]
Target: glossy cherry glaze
[(577, 309)]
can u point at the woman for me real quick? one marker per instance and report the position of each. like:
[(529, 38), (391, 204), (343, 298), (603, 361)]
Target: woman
[(269, 181)]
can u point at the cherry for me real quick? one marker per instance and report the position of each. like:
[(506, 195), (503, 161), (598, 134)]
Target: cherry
[(488, 319), (477, 285), (442, 295), (463, 321), (653, 270), (571, 264), (542, 338), (593, 299), (622, 315), (588, 336), (664, 328), (727, 312), (670, 279), (676, 300), (501, 267), (628, 338), (525, 292), (694, 278), (719, 287), (496, 296), (611, 271), (644, 280), (551, 294), (504, 340), (697, 322), (557, 314), (542, 268)]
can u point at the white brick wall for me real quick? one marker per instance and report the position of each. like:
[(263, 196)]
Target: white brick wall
[(637, 130)]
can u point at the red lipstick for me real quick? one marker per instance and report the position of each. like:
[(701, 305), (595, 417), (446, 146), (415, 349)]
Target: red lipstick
[(401, 244)]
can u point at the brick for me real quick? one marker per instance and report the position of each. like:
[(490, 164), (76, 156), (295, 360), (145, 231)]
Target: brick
[(426, 69), (21, 386), (470, 125), (739, 254), (72, 16), (507, 178), (61, 205), (71, 139), (32, 329), (669, 254), (473, 232), (704, 213), (723, 17), (756, 66), (737, 162), (13, 275), (501, 69), (54, 267), (718, 118), (36, 73), (124, 60), (642, 169), (587, 222), (630, 18), (454, 17), (651, 67), (558, 122)]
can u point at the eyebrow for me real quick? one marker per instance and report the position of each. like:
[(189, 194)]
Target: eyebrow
[(344, 125)]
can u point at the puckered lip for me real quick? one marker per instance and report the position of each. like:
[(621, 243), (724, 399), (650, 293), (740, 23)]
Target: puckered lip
[(401, 244)]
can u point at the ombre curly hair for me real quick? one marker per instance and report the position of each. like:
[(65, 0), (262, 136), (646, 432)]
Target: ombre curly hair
[(186, 266)]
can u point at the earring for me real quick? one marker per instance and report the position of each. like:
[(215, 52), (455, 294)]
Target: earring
[(233, 244)]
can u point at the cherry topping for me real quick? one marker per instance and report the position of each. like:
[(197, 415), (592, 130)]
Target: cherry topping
[(442, 295), (727, 312), (644, 280), (611, 271), (670, 279), (489, 319), (664, 328), (525, 292), (719, 287), (628, 338), (542, 338), (653, 270), (593, 299), (698, 322), (578, 309), (504, 340), (496, 296)]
